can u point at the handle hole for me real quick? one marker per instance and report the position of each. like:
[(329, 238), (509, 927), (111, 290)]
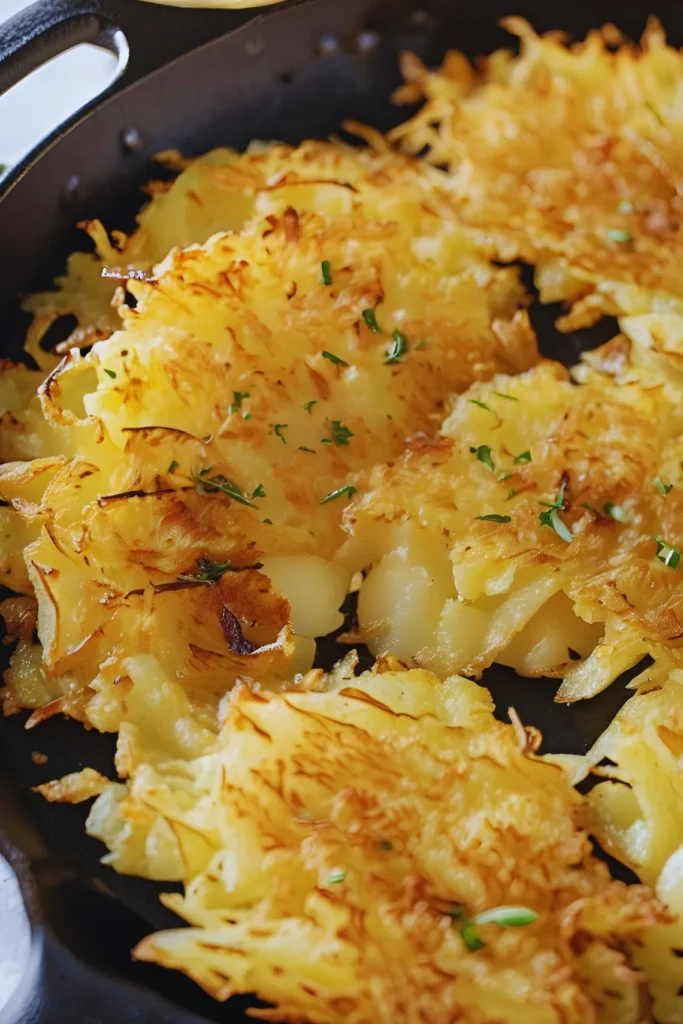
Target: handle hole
[(34, 107)]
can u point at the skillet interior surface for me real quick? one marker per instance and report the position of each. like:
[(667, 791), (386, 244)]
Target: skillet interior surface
[(270, 79)]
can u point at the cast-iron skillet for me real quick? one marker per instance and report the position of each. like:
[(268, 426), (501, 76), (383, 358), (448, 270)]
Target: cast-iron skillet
[(194, 79)]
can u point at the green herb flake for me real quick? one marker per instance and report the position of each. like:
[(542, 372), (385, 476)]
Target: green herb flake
[(625, 207), (326, 272), (511, 493), (303, 448), (337, 360), (456, 911), (259, 492), (550, 517), (619, 236), (386, 844), (523, 458), (309, 405), (422, 344), (482, 405), (666, 554), (237, 399), (277, 430), (172, 468), (509, 398), (370, 318), (505, 476), (207, 571), (340, 434), (337, 876), (616, 512), (349, 490), (483, 453), (397, 349), (269, 521), (220, 483), (662, 487), (110, 373), (470, 936), (493, 518), (507, 917)]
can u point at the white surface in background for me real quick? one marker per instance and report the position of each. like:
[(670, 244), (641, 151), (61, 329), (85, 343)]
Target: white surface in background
[(15, 936), (30, 110)]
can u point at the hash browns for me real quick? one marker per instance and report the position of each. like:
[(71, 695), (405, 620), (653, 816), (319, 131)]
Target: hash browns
[(336, 839)]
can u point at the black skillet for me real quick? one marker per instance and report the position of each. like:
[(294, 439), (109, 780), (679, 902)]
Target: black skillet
[(195, 79)]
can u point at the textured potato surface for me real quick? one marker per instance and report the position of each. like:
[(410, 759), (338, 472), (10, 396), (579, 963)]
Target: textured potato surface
[(637, 815), (535, 532), (567, 156), (219, 422), (339, 839)]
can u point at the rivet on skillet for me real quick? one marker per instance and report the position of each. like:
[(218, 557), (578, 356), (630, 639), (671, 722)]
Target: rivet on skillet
[(254, 47), (131, 140), (71, 189), (422, 19), (367, 41), (328, 44)]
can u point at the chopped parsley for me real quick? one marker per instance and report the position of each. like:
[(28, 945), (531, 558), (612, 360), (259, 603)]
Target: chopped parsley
[(237, 399), (371, 321), (483, 453), (504, 476), (277, 430), (617, 235), (303, 448), (172, 468), (511, 493), (493, 518), (109, 373), (337, 876), (470, 936), (616, 512), (386, 844), (326, 272), (309, 405), (507, 917), (482, 405), (334, 359), (550, 517), (269, 521), (349, 490), (259, 492), (398, 347), (340, 434), (422, 344), (504, 917), (207, 571), (510, 398), (662, 487), (666, 554), (220, 483), (523, 458)]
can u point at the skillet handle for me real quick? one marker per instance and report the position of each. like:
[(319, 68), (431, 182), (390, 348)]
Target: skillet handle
[(143, 36)]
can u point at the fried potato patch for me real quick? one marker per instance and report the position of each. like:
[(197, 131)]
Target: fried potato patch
[(382, 849)]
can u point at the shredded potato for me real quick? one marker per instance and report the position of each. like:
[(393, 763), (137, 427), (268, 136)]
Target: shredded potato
[(637, 814), (333, 840), (220, 423), (305, 373), (567, 156), (467, 566)]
